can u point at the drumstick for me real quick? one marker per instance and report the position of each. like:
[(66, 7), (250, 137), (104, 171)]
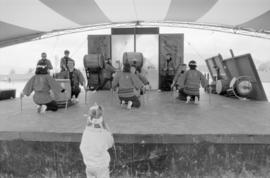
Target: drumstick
[(111, 96), (85, 97), (210, 90), (21, 103), (173, 99), (66, 105)]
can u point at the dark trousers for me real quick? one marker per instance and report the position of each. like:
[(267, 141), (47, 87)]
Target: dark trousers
[(135, 101), (51, 106), (93, 78), (75, 92), (165, 83), (105, 82), (183, 96)]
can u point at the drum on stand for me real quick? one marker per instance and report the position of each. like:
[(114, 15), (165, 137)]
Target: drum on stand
[(93, 64), (222, 86), (63, 99), (133, 58), (240, 87)]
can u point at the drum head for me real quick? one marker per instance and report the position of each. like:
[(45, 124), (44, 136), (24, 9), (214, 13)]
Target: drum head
[(219, 86), (244, 87)]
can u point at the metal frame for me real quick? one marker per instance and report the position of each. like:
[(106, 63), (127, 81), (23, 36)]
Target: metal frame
[(238, 30)]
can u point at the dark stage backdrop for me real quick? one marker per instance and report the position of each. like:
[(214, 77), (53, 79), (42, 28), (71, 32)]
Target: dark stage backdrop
[(174, 45), (168, 43), (100, 44)]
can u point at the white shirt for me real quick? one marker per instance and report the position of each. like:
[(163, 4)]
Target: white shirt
[(94, 147)]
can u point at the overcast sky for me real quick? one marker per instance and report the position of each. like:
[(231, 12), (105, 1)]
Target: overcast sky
[(198, 45)]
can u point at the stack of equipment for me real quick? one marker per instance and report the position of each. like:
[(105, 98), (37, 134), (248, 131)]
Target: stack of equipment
[(236, 77)]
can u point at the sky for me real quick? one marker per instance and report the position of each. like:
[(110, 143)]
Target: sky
[(198, 45)]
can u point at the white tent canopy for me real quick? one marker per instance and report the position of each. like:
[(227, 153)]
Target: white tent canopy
[(22, 20)]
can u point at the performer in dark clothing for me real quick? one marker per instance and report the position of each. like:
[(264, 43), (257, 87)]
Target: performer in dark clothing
[(167, 73), (178, 76), (64, 61), (108, 72), (177, 81), (45, 61)]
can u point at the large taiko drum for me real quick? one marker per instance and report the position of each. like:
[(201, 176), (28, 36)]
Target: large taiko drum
[(93, 62), (222, 86), (133, 58), (241, 87), (63, 98)]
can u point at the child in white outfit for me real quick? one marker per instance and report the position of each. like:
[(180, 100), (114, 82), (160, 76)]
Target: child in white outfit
[(96, 140)]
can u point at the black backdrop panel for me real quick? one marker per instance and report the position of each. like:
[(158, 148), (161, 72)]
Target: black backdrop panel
[(174, 45), (100, 44)]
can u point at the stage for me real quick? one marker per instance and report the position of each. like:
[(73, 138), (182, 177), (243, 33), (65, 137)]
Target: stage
[(161, 119)]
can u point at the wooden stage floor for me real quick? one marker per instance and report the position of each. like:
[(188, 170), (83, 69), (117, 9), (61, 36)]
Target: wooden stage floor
[(161, 119)]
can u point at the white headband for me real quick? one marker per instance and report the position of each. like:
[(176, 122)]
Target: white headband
[(41, 66)]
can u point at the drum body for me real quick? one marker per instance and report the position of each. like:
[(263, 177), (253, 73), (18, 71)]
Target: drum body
[(65, 96), (93, 62), (241, 87), (133, 58), (222, 86)]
